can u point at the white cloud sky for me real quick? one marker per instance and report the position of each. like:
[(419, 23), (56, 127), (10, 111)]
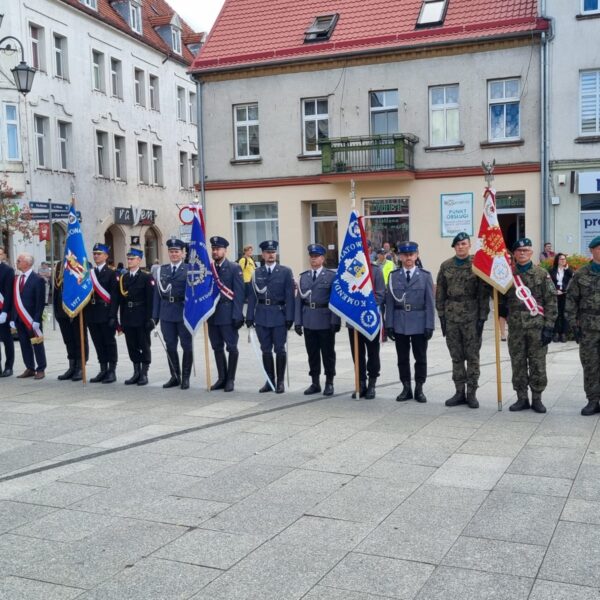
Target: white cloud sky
[(199, 14)]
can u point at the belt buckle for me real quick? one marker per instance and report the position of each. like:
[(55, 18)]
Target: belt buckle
[(130, 305), (313, 305), (93, 301), (171, 299), (267, 302), (407, 307)]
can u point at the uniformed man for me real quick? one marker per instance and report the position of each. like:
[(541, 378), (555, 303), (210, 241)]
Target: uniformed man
[(410, 318), (316, 321), (136, 294), (532, 311), (271, 308), (7, 278), (101, 314), (169, 299), (369, 362), (583, 313), (224, 323), (463, 303)]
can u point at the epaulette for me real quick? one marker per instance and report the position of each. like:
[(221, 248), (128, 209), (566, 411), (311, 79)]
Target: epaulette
[(305, 272), (424, 270)]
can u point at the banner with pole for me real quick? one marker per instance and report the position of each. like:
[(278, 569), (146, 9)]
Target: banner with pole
[(490, 261)]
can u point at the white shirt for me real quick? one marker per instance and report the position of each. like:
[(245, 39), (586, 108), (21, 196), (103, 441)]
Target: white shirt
[(318, 271), (100, 267), (26, 275), (133, 271), (411, 271)]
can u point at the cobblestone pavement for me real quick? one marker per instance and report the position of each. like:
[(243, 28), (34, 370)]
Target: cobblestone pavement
[(142, 493)]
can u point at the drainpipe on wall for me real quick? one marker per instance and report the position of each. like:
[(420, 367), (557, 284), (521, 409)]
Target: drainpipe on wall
[(200, 133), (544, 129)]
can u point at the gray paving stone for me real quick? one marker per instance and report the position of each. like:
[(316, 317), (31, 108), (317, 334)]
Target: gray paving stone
[(15, 514), (495, 556), (30, 455), (449, 582), (582, 511), (471, 471), (425, 450), (17, 588), (398, 472), (179, 511), (551, 590), (58, 494), (573, 555), (531, 484), (546, 461), (154, 579), (378, 575), (491, 448), (238, 446), (587, 483), (215, 549), (321, 592), (512, 517)]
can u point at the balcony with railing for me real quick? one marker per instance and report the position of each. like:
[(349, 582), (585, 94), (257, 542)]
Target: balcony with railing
[(368, 154)]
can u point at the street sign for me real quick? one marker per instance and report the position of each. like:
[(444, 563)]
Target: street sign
[(45, 206), (45, 216)]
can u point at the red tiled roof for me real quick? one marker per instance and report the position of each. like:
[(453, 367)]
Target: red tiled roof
[(251, 32), (153, 11)]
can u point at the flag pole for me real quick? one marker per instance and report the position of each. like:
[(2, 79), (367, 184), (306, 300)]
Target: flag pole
[(355, 341), (82, 346), (206, 358), (497, 344)]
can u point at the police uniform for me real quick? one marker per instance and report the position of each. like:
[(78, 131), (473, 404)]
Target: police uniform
[(224, 323), (463, 303), (7, 278), (69, 331), (410, 321), (369, 362), (271, 308), (317, 322), (136, 294), (169, 300), (101, 317), (583, 314), (530, 330)]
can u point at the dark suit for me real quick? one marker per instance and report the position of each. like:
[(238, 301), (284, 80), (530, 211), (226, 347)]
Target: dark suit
[(7, 278), (561, 326), (33, 297)]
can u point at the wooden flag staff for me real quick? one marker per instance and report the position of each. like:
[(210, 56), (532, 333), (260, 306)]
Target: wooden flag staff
[(355, 340)]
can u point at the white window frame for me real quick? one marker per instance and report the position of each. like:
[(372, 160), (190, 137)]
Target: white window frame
[(176, 39), (193, 169), (102, 162), (64, 144), (180, 103), (120, 159), (591, 11), (11, 123), (316, 118), (93, 4), (153, 92), (139, 87), (37, 47), (193, 107), (98, 79), (386, 108), (61, 56), (135, 16), (142, 163), (116, 78), (183, 171), (504, 100), (157, 166), (246, 124), (595, 98), (42, 145), (444, 108), (261, 227), (432, 12)]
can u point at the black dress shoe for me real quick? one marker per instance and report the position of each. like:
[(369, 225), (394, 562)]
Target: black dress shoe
[(328, 389), (405, 394), (6, 373)]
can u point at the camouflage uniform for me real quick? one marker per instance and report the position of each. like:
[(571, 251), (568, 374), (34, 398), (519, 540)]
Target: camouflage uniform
[(583, 311), (527, 354), (462, 299)]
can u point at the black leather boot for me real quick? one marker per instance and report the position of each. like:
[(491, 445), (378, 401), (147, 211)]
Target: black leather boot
[(591, 408), (110, 376), (281, 360), (101, 375), (186, 368), (221, 362), (459, 396), (269, 365), (314, 387), (419, 395), (472, 396), (406, 393), (362, 390), (536, 402), (69, 372), (77, 374), (370, 393), (143, 380), (136, 375), (328, 389), (173, 360), (522, 402), (231, 370)]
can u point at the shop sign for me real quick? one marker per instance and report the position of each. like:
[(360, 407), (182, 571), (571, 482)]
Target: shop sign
[(134, 216), (589, 183), (456, 214), (590, 228), (386, 206)]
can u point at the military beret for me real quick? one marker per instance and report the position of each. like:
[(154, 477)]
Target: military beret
[(595, 242), (175, 243), (317, 249), (269, 246), (407, 247), (101, 248), (460, 237), (522, 243), (217, 241), (135, 252)]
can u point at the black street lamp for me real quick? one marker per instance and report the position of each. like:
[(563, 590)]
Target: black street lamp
[(22, 73)]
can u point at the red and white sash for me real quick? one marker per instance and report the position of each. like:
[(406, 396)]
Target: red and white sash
[(1, 301), (228, 293), (523, 293), (98, 289), (22, 311)]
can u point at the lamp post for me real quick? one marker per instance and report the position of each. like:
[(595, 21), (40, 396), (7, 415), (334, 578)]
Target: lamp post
[(22, 73)]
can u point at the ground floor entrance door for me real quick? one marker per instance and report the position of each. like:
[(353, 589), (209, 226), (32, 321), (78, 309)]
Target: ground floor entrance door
[(324, 230)]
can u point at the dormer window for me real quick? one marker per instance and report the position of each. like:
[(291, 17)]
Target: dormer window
[(321, 29), (90, 4), (176, 39), (135, 16), (433, 12)]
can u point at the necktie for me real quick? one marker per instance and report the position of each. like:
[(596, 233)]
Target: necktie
[(268, 272), (173, 270), (314, 275), (407, 276), (22, 283)]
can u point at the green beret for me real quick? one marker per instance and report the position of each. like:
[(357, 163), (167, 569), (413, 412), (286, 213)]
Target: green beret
[(522, 243), (595, 242), (459, 237)]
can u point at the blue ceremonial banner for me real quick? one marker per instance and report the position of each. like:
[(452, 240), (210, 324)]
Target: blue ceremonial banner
[(352, 296), (77, 283), (201, 291)]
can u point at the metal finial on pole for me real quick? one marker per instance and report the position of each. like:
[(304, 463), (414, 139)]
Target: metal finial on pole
[(353, 194), (488, 169)]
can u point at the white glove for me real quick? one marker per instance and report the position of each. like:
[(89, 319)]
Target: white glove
[(3, 317), (35, 325), (12, 325)]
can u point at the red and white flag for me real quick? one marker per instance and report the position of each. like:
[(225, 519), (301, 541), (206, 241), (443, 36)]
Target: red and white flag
[(490, 262)]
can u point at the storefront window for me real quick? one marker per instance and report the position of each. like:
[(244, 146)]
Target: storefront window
[(590, 220), (386, 220), (252, 224)]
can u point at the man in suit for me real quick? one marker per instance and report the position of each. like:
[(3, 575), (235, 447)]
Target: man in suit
[(101, 314), (7, 278), (136, 295), (410, 318), (29, 301), (271, 307), (316, 321), (169, 299), (224, 323)]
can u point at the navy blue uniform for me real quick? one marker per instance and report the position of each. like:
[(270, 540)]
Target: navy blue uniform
[(69, 328), (7, 278)]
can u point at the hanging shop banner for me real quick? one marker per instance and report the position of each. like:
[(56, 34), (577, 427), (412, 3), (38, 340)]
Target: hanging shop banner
[(590, 228), (456, 214)]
